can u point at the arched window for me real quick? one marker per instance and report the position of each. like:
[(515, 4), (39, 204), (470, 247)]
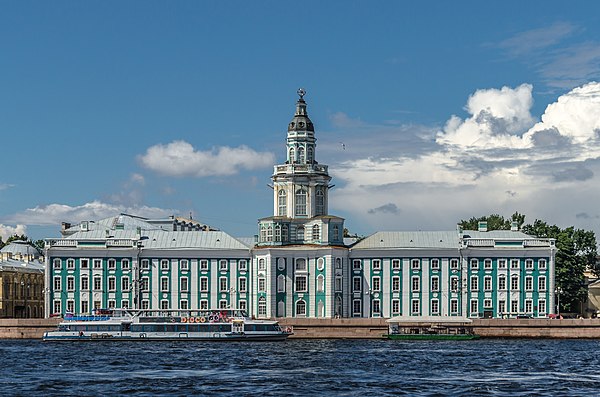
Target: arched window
[(270, 233), (320, 309), (277, 233), (336, 233), (300, 308), (281, 309), (282, 203), (301, 155), (309, 156), (338, 306), (301, 201), (320, 201), (281, 283), (262, 307), (261, 264), (300, 233), (263, 233), (320, 283), (316, 233), (301, 264), (292, 158), (284, 233)]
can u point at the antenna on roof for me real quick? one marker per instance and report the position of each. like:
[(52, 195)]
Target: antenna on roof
[(190, 215)]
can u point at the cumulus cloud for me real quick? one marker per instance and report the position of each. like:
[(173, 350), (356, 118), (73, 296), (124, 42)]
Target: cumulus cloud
[(54, 214), (389, 208), (7, 231), (180, 159), (497, 159)]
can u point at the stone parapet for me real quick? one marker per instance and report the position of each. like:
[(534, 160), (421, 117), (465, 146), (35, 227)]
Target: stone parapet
[(26, 328)]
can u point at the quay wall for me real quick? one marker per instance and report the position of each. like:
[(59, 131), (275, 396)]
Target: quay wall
[(366, 328)]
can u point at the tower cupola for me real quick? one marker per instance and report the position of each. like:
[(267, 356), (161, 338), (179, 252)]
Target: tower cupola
[(301, 122)]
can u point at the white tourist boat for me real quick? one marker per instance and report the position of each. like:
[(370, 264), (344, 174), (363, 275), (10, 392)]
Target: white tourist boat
[(154, 325)]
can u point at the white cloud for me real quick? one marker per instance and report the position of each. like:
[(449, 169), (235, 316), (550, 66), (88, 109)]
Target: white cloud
[(179, 158), (137, 179), (496, 160), (54, 214), (7, 231), (4, 186)]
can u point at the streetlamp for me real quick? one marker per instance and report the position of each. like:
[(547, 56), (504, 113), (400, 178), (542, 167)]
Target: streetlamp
[(558, 292)]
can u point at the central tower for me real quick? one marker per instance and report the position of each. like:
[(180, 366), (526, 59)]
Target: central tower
[(300, 191)]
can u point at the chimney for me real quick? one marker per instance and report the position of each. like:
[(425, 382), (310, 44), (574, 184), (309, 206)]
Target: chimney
[(482, 226)]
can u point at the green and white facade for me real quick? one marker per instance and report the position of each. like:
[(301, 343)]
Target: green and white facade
[(299, 265)]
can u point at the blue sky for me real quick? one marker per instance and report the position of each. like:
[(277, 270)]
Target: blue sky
[(446, 110)]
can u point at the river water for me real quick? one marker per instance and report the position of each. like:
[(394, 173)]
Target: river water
[(494, 367)]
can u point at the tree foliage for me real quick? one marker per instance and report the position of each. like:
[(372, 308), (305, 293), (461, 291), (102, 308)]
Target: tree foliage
[(576, 252)]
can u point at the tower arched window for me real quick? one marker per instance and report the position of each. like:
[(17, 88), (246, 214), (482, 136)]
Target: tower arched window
[(300, 233), (284, 233), (282, 203), (292, 158), (301, 202), (336, 233), (320, 201), (301, 155), (316, 233), (277, 233), (270, 233), (263, 233), (309, 155)]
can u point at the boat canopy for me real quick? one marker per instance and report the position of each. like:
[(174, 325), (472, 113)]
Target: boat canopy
[(429, 319)]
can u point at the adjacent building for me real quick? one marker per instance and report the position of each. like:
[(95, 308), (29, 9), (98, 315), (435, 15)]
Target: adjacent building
[(298, 265)]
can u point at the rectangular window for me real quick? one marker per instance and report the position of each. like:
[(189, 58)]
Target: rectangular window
[(435, 284), (183, 304), (164, 304), (97, 263), (474, 283), (223, 304), (125, 304), (542, 306), (242, 283), (356, 308), (514, 306), (112, 264), (145, 264), (97, 283), (356, 284), (145, 304), (164, 265), (261, 284), (184, 265), (529, 264), (203, 284), (70, 263), (57, 308), (514, 263), (528, 306), (223, 284), (125, 284), (376, 264), (56, 263), (223, 265), (112, 283), (487, 303), (395, 306), (415, 307), (84, 263), (501, 307), (70, 283), (70, 306), (396, 284), (183, 284), (112, 304), (85, 283), (416, 284), (487, 283), (242, 304), (502, 283), (85, 307), (164, 284), (145, 284), (376, 283), (453, 306), (415, 264), (501, 263), (242, 265), (435, 264), (356, 265), (474, 264), (396, 264), (514, 283), (301, 284), (528, 283), (487, 264), (376, 306), (435, 306), (542, 283), (338, 284), (454, 284), (203, 304), (542, 264), (125, 264), (474, 307), (203, 264), (454, 264)]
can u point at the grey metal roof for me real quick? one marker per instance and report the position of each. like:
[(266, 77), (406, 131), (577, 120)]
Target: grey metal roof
[(21, 266), (20, 247), (497, 234), (160, 239), (409, 240)]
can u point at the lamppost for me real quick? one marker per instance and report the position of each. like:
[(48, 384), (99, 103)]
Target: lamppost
[(558, 292), (26, 293)]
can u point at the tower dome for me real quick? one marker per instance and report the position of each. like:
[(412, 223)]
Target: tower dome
[(301, 122)]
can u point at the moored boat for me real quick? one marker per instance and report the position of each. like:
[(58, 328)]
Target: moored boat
[(430, 328), (147, 325)]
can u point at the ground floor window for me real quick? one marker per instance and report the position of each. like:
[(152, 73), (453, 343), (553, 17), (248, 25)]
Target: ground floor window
[(542, 306), (57, 308), (301, 308), (435, 306), (164, 304), (395, 306), (262, 307), (145, 304), (454, 306), (125, 304), (85, 307), (376, 307), (528, 306), (203, 304), (70, 306), (223, 304), (514, 306), (183, 304), (356, 308), (415, 306), (242, 305), (474, 307)]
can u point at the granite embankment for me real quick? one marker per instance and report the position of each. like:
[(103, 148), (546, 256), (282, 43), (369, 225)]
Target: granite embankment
[(365, 328)]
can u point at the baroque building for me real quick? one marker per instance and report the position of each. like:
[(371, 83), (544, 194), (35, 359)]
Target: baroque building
[(299, 265)]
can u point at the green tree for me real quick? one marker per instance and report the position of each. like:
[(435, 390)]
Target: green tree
[(494, 222)]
